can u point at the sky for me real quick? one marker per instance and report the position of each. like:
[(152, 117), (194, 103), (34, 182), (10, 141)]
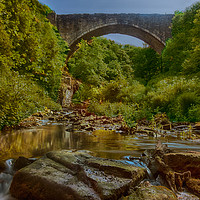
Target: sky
[(118, 6)]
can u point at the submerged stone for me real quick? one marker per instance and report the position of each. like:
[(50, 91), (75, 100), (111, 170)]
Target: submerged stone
[(74, 175)]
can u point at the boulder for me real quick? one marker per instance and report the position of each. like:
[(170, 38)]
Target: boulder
[(184, 161), (74, 175), (174, 169)]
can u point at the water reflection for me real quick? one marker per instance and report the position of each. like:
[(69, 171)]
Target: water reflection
[(37, 141)]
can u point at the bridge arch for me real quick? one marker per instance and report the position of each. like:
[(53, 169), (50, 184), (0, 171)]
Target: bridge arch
[(151, 39), (153, 29)]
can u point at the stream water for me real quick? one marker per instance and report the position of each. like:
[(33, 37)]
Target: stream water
[(35, 142)]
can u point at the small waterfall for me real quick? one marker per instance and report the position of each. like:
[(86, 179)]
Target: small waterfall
[(5, 181)]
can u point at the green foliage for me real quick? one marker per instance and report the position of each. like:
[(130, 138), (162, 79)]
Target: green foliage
[(182, 51), (146, 63), (117, 91), (191, 64), (37, 50), (137, 82), (108, 72), (177, 96), (88, 64), (32, 54), (103, 60), (19, 98), (194, 113)]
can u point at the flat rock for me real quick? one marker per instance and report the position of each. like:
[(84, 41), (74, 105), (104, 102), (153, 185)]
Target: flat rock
[(74, 175)]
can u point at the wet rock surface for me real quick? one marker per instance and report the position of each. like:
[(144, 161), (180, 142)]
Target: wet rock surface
[(87, 177), (194, 186), (75, 175)]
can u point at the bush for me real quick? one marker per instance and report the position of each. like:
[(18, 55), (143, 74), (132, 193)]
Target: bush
[(194, 113), (175, 96), (19, 98)]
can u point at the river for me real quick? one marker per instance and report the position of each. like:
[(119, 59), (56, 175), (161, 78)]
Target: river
[(36, 141)]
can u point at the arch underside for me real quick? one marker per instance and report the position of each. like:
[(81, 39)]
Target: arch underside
[(142, 34)]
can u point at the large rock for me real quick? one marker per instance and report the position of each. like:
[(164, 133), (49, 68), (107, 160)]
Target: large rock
[(175, 169), (69, 175), (184, 161)]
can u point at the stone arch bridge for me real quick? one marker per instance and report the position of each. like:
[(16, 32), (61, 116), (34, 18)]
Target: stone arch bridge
[(153, 29)]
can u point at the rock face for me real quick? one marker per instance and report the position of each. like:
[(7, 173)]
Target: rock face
[(183, 163), (186, 161), (74, 175), (175, 170)]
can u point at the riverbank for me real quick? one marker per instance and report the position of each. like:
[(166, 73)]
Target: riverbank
[(80, 119)]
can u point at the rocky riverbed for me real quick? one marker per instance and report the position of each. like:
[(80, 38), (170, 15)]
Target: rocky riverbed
[(165, 178), (81, 119), (72, 174)]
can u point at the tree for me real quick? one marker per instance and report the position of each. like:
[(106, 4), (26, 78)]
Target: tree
[(191, 65), (32, 54), (145, 63), (37, 50), (179, 48)]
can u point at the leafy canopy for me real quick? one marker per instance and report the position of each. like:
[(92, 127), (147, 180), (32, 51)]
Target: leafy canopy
[(32, 54)]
